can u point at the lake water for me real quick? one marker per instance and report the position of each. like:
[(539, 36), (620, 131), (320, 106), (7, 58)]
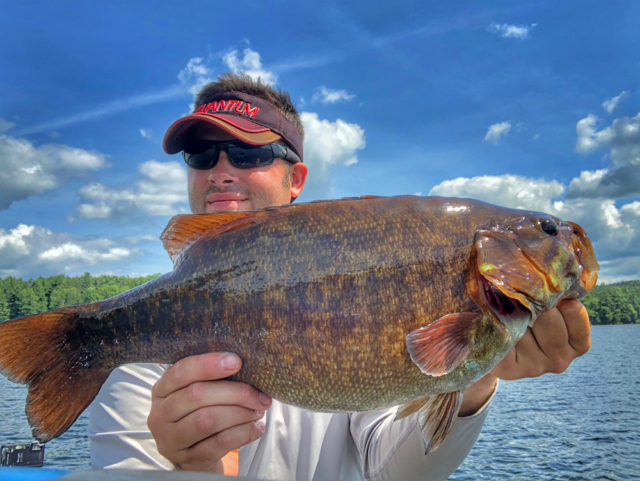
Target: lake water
[(581, 425)]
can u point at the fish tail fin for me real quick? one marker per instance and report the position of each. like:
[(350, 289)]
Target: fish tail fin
[(41, 351)]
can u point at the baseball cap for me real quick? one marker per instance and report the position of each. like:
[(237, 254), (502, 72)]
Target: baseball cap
[(247, 118)]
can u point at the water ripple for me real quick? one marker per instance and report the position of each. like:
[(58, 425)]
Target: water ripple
[(581, 425)]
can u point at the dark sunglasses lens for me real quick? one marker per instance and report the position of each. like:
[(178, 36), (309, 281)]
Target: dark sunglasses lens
[(204, 155), (248, 156), (203, 160)]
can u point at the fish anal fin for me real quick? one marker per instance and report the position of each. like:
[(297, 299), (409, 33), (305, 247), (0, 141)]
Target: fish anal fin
[(183, 230), (440, 347), (61, 384), (409, 408), (436, 416)]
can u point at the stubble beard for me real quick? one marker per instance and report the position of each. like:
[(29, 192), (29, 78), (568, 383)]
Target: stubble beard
[(254, 200)]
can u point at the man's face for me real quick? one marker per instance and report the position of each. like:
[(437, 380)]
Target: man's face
[(225, 188)]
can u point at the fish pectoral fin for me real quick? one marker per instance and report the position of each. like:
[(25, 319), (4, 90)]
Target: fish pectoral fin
[(440, 347), (183, 230), (436, 416)]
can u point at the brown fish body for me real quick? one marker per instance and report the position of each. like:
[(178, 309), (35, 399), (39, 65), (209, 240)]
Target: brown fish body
[(318, 300)]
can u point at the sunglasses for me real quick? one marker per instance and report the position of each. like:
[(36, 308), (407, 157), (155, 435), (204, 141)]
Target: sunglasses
[(204, 154)]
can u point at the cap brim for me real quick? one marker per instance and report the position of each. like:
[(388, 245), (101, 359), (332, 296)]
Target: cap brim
[(242, 129)]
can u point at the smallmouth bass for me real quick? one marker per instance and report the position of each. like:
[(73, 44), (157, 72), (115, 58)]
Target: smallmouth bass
[(346, 305)]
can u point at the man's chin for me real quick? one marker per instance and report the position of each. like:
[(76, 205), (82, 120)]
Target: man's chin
[(227, 206)]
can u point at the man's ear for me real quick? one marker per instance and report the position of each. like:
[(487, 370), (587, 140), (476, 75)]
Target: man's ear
[(298, 177)]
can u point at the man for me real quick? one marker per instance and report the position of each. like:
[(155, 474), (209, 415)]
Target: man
[(190, 416)]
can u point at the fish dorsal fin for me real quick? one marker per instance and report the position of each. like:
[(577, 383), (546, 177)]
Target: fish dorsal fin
[(361, 197), (183, 230)]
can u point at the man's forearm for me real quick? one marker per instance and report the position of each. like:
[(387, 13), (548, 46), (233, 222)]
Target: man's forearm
[(476, 395)]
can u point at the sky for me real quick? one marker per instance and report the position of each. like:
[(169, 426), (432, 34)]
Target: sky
[(532, 105)]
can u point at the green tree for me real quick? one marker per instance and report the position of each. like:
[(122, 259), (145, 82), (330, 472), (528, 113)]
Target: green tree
[(5, 313), (28, 302), (614, 303)]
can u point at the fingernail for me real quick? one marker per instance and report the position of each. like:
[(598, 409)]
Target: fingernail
[(264, 399), (229, 362)]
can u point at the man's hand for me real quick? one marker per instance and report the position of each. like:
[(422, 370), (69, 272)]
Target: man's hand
[(197, 417), (557, 337)]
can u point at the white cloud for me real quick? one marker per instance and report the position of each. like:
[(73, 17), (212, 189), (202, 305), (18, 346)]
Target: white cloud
[(622, 138), (195, 74), (5, 125), (161, 192), (507, 190), (13, 242), (614, 231), (250, 64), (138, 238), (30, 250), (72, 158), (146, 133), (588, 181), (331, 96), (612, 103), (619, 269), (71, 252), (632, 209), (588, 139), (511, 31), (496, 131), (328, 145), (28, 170)]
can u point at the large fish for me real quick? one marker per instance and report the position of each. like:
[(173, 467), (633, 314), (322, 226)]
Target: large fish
[(347, 305)]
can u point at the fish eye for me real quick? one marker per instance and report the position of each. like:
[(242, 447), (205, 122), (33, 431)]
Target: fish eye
[(549, 227)]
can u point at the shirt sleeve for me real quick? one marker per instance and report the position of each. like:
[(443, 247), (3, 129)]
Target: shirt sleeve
[(118, 434), (392, 450)]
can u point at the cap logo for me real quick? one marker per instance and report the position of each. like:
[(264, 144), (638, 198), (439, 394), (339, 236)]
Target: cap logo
[(239, 106)]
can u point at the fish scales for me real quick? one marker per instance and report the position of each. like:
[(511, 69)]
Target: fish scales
[(318, 299), (335, 293)]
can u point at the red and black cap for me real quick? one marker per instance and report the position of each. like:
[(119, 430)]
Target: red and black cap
[(247, 118)]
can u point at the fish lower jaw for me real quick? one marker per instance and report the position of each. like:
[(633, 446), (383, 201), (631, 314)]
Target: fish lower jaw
[(517, 328), (508, 309)]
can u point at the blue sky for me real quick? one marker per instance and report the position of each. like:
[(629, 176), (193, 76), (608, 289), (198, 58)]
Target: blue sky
[(528, 104)]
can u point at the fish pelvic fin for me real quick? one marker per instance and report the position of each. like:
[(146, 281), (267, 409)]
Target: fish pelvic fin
[(36, 351), (436, 416), (440, 347), (183, 230)]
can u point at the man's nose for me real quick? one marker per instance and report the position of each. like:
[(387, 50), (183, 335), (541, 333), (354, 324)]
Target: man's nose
[(223, 172)]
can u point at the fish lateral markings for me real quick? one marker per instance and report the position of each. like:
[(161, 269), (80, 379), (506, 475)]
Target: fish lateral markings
[(345, 305)]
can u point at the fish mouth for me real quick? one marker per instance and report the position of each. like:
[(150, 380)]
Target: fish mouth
[(583, 250), (506, 305)]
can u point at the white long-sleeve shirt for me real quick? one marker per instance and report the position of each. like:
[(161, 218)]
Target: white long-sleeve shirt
[(297, 444)]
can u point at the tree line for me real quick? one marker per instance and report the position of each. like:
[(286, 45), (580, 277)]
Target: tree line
[(614, 303), (607, 304), (21, 298)]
